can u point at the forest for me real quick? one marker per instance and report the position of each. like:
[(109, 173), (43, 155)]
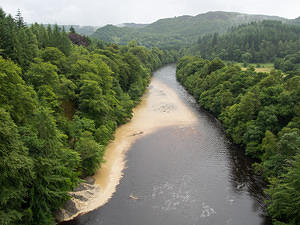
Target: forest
[(260, 113), (257, 42), (180, 32), (62, 95)]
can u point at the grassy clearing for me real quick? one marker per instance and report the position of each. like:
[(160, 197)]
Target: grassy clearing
[(259, 67)]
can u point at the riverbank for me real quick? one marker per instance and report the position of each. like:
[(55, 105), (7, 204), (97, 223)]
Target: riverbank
[(180, 167), (160, 107)]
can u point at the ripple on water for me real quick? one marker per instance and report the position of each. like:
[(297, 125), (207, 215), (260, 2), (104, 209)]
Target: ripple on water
[(182, 168)]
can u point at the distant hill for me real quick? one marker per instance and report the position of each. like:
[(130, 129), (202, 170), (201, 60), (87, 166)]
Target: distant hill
[(132, 25), (178, 31), (209, 22), (296, 21), (83, 30), (116, 34)]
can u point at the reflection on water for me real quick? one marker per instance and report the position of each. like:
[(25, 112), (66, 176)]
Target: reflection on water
[(183, 173)]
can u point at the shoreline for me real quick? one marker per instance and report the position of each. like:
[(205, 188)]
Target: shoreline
[(159, 107)]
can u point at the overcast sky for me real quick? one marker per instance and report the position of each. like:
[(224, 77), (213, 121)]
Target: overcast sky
[(101, 12)]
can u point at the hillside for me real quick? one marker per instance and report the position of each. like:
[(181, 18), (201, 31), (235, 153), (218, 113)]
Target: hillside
[(209, 22), (178, 31), (132, 25), (255, 42), (83, 30)]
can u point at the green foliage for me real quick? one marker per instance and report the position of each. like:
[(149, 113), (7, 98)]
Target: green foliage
[(54, 56), (15, 96), (256, 42), (177, 32), (284, 194), (59, 107), (91, 153), (55, 166), (260, 112), (41, 73), (277, 150), (289, 64), (16, 172)]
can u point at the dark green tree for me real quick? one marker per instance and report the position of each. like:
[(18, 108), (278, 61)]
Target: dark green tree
[(16, 173)]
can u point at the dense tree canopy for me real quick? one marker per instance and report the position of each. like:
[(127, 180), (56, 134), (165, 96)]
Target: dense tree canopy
[(61, 98), (178, 32), (62, 95), (256, 42), (259, 111)]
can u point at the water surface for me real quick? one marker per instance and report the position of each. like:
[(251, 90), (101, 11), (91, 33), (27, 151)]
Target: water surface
[(180, 168)]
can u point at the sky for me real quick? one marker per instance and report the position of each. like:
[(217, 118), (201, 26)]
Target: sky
[(102, 12)]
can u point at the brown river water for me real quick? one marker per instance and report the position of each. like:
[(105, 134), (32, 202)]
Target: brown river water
[(173, 165)]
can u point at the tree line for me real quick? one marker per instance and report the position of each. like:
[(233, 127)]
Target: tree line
[(257, 42), (62, 96), (181, 32), (260, 112), (123, 35)]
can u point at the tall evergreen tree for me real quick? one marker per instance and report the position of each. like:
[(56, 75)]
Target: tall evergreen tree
[(19, 20)]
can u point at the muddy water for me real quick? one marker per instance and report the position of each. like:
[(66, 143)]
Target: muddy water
[(179, 168)]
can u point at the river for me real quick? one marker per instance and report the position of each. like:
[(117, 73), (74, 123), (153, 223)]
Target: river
[(179, 167)]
